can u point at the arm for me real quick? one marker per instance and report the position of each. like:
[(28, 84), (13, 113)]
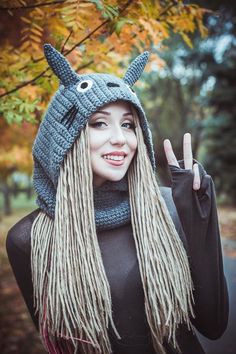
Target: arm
[(198, 215), (18, 250)]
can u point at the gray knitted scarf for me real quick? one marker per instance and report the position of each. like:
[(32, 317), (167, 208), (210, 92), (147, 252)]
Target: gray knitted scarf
[(111, 204)]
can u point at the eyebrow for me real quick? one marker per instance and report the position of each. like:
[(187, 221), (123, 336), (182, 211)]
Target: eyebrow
[(108, 114)]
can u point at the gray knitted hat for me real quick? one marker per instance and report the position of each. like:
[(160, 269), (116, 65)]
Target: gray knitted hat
[(76, 99)]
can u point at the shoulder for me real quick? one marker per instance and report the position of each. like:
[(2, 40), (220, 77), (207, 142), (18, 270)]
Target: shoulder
[(18, 236)]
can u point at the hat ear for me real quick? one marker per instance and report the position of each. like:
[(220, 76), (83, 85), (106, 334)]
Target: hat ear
[(60, 65), (136, 68)]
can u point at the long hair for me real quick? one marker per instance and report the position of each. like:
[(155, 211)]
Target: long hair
[(71, 291)]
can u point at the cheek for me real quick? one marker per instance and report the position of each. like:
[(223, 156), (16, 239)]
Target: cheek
[(96, 140), (133, 143)]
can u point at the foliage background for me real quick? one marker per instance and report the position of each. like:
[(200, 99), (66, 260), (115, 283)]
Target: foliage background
[(185, 87), (100, 36), (188, 85)]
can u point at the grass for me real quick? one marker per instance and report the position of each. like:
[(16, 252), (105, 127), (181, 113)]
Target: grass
[(20, 202)]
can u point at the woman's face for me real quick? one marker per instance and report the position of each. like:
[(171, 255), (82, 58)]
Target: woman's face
[(112, 141)]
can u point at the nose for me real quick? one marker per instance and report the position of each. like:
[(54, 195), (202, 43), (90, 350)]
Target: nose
[(117, 137)]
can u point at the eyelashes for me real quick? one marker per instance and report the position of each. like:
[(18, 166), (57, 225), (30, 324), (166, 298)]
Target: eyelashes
[(69, 117), (132, 126), (99, 125)]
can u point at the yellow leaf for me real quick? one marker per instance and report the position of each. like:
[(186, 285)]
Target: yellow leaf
[(22, 2), (35, 38), (37, 26), (26, 20), (35, 46), (39, 11), (36, 32), (25, 45), (187, 40), (85, 5)]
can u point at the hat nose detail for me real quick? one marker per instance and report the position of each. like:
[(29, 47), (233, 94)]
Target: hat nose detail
[(112, 84)]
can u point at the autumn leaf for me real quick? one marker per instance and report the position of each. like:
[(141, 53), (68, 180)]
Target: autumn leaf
[(96, 35)]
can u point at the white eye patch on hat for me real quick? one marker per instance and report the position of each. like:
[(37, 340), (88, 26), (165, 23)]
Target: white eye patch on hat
[(84, 85)]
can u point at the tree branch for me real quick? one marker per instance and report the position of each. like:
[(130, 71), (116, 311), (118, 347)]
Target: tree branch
[(56, 2), (96, 29), (23, 84), (92, 61), (67, 39), (85, 38)]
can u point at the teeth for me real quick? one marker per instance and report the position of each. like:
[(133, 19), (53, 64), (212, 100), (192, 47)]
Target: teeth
[(113, 157)]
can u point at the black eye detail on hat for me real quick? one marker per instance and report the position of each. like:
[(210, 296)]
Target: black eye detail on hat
[(112, 84), (84, 86), (69, 117)]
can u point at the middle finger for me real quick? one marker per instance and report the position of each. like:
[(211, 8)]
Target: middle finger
[(187, 150)]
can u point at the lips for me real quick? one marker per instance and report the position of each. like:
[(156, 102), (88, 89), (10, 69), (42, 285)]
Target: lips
[(116, 153), (115, 162)]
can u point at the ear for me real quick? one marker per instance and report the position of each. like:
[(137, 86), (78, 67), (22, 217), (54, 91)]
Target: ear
[(136, 68), (60, 65)]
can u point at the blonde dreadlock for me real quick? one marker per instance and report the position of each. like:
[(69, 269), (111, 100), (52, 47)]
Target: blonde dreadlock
[(163, 263), (71, 290), (72, 293)]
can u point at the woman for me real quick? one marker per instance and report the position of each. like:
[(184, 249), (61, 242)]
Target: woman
[(117, 264)]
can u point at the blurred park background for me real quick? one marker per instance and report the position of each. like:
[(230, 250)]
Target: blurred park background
[(189, 86)]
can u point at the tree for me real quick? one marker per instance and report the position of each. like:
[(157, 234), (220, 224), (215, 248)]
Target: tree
[(196, 92), (172, 100), (94, 35), (15, 155), (220, 128)]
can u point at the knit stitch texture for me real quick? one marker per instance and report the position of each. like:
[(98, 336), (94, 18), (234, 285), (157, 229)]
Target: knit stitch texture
[(76, 99), (111, 204)]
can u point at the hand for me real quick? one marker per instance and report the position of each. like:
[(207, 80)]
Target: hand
[(188, 158)]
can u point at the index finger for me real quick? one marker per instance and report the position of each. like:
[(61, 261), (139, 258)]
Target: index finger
[(171, 159), (187, 150)]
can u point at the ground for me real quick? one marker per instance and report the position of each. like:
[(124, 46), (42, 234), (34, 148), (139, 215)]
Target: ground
[(17, 332)]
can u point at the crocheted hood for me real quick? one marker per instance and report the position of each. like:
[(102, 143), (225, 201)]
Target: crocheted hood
[(76, 99)]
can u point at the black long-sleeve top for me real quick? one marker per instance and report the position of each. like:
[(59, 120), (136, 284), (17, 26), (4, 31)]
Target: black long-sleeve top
[(195, 217)]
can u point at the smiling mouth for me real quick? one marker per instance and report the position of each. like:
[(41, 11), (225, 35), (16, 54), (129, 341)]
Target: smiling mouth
[(114, 157), (115, 161)]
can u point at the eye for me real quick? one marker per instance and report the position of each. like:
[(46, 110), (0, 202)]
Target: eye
[(97, 124), (84, 86), (131, 90), (130, 125)]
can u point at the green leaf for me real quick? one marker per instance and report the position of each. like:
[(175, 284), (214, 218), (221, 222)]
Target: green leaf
[(112, 9), (119, 24), (18, 118), (98, 4)]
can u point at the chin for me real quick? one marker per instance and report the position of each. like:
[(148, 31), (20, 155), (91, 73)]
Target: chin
[(116, 177)]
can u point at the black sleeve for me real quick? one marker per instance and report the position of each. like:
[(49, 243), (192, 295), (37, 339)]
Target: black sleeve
[(198, 215), (18, 250)]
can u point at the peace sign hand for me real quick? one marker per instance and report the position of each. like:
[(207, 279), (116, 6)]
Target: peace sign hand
[(188, 158)]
